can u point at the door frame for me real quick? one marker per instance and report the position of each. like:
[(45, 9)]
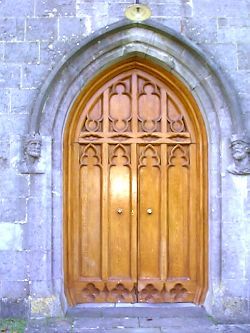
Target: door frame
[(70, 136)]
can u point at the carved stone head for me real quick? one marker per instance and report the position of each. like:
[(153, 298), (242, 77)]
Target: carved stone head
[(240, 147), (32, 146)]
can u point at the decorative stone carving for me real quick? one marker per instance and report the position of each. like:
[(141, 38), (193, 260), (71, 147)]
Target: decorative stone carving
[(32, 145), (240, 146)]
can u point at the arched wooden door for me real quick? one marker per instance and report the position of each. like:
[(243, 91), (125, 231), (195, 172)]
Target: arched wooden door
[(135, 190)]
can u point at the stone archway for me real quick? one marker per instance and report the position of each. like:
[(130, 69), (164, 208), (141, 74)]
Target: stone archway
[(215, 97)]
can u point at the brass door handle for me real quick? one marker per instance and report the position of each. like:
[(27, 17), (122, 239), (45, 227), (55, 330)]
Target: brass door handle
[(119, 211), (149, 211)]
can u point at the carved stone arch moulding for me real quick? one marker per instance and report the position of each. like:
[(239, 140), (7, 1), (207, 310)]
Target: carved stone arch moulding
[(159, 44)]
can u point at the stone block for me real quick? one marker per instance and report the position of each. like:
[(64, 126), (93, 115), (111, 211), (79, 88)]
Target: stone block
[(19, 8), (233, 250), (13, 265), (2, 45), (36, 236), (224, 8), (40, 288), (11, 236), (233, 35), (45, 306), (246, 120), (116, 9), (39, 265), (22, 100), (12, 124), (10, 76), (51, 53), (11, 29), (223, 54), (171, 22), (238, 22), (15, 289), (41, 29), (166, 9), (35, 211), (71, 27), (242, 35), (5, 100), (241, 81), (36, 186), (177, 322), (4, 160), (34, 75), (243, 56), (13, 185), (22, 52), (14, 308), (13, 210), (90, 9), (52, 8), (197, 30), (236, 287)]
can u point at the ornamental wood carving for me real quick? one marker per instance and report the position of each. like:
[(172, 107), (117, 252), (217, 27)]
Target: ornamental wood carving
[(135, 190)]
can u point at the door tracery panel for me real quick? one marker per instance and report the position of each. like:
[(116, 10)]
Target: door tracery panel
[(135, 209)]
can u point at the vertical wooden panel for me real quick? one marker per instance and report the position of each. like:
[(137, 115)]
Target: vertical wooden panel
[(149, 213), (178, 204), (119, 214), (90, 227)]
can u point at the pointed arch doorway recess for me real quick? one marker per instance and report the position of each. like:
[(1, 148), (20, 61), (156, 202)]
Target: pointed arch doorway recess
[(135, 190)]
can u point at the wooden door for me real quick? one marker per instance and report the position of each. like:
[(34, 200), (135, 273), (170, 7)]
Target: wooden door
[(135, 190)]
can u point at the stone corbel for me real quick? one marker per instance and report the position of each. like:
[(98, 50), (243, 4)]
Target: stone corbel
[(240, 146), (31, 155)]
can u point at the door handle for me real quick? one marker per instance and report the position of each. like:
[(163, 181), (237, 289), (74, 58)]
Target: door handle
[(119, 211), (149, 211)]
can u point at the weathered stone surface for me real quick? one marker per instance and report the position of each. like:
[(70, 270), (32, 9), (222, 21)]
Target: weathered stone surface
[(11, 236), (21, 99), (21, 52), (21, 8), (13, 210), (50, 53), (11, 29), (10, 76), (14, 308), (15, 289), (13, 265), (71, 27), (34, 75), (5, 100), (243, 56), (41, 29), (196, 30), (4, 163), (13, 185), (52, 8)]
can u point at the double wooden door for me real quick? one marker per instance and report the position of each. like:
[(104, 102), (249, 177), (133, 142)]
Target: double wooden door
[(134, 193)]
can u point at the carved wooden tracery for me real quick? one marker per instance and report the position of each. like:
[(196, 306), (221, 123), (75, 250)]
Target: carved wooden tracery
[(135, 189)]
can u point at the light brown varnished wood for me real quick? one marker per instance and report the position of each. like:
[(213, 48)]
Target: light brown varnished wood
[(135, 190)]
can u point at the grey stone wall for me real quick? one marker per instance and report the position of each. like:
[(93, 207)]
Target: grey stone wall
[(34, 36)]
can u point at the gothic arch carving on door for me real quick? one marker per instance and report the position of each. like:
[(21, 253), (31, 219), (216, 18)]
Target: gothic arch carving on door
[(135, 190)]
